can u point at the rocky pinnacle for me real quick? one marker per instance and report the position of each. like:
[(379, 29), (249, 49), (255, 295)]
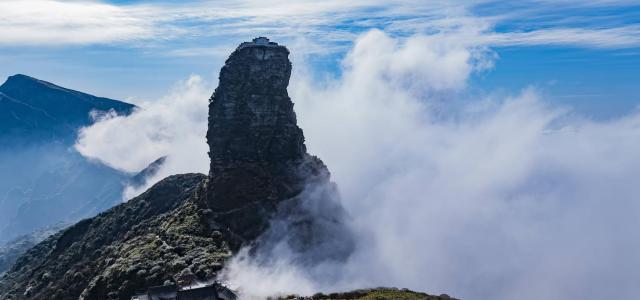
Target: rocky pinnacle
[(257, 151), (251, 117)]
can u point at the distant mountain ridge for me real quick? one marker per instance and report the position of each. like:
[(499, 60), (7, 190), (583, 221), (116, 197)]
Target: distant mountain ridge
[(10, 252), (35, 108), (43, 180)]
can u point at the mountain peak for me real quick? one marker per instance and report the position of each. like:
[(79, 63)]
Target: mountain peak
[(48, 109), (251, 116), (257, 151), (25, 81), (20, 77), (252, 126)]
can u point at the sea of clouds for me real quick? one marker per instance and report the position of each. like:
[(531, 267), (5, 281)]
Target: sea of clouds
[(495, 198)]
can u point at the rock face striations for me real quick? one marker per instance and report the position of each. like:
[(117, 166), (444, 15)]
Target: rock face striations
[(257, 151), (251, 117)]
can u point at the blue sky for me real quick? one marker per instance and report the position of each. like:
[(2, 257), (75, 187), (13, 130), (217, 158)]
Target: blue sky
[(583, 55)]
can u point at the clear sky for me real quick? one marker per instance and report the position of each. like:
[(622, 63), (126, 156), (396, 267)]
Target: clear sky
[(585, 54)]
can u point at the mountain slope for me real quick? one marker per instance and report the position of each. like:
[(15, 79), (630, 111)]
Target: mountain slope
[(43, 180), (18, 118), (10, 252), (60, 185), (146, 241), (32, 106)]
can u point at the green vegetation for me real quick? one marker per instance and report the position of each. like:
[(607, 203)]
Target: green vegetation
[(151, 240), (399, 295), (372, 294)]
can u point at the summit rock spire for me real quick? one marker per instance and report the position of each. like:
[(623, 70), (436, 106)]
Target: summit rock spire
[(257, 151), (251, 117)]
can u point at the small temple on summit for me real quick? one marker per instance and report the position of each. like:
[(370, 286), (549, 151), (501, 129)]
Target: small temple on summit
[(259, 41)]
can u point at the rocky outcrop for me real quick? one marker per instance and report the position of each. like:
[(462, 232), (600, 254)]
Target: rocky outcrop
[(257, 151), (251, 117)]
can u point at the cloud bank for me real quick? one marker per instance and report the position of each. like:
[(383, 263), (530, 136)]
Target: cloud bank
[(174, 126), (491, 199), (494, 198), (51, 22)]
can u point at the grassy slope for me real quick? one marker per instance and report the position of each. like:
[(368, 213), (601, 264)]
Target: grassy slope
[(373, 294)]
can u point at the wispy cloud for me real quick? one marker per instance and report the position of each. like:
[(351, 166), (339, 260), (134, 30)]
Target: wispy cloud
[(48, 22), (326, 23), (620, 37), (506, 198)]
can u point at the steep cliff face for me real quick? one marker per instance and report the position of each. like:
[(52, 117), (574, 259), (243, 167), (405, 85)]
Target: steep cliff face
[(251, 117), (257, 151)]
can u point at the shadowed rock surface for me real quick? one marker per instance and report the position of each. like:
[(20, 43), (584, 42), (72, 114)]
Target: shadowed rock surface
[(255, 143), (259, 163)]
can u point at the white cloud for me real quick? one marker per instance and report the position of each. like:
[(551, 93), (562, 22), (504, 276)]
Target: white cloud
[(330, 23), (495, 199), (620, 37), (51, 22), (174, 126), (376, 54)]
